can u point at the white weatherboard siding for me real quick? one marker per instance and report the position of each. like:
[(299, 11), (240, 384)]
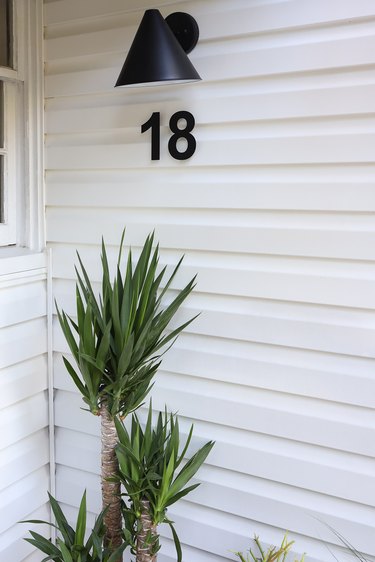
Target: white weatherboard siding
[(24, 441), (275, 211)]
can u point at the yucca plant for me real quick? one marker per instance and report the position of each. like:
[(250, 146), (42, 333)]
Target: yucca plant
[(154, 477), (272, 554), (117, 343), (71, 545)]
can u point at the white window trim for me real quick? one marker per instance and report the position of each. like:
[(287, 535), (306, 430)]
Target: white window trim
[(8, 231), (29, 233)]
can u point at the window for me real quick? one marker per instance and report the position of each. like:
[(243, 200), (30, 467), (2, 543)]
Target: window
[(7, 126), (6, 33), (21, 114)]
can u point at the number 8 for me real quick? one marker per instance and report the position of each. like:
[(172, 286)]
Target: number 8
[(182, 134)]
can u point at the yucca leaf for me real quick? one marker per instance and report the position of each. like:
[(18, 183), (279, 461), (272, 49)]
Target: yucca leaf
[(99, 523), (142, 263), (121, 247), (172, 335), (85, 360), (57, 559), (87, 289), (183, 453), (97, 544), (143, 388), (148, 433), (61, 521), (120, 285), (91, 361), (172, 308), (84, 282), (141, 351), (43, 544), (166, 482), (190, 468), (172, 276), (152, 306), (122, 432), (176, 542), (77, 381), (125, 356), (117, 553), (80, 309), (127, 297), (132, 307), (127, 457), (153, 476), (38, 521), (67, 557), (146, 292), (153, 302), (106, 282), (63, 319), (103, 350), (115, 316), (81, 522), (136, 441), (174, 441), (180, 495), (87, 334)]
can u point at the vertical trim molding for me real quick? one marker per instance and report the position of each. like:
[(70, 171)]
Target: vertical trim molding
[(34, 236), (51, 392)]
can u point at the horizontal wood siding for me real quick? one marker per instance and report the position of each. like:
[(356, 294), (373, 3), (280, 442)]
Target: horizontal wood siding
[(275, 211), (24, 441)]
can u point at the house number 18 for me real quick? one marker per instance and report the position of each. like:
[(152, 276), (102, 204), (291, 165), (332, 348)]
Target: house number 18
[(177, 133)]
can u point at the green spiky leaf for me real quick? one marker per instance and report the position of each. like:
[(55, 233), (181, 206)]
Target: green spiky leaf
[(120, 337)]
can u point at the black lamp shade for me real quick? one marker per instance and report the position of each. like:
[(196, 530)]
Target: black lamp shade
[(156, 56)]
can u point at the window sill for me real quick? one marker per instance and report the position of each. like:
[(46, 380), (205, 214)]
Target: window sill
[(17, 260)]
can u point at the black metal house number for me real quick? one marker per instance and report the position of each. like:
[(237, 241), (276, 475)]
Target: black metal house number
[(177, 133)]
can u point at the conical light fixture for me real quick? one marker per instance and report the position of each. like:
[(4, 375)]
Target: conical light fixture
[(156, 55)]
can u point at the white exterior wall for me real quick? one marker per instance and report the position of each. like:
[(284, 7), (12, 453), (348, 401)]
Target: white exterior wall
[(24, 397), (24, 438), (275, 213)]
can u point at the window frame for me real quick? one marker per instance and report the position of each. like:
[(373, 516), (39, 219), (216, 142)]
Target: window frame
[(8, 231), (23, 94)]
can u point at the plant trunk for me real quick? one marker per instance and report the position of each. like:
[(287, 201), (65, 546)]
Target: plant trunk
[(110, 490), (147, 536)]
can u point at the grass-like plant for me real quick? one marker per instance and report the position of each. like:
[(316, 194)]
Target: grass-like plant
[(154, 478), (361, 557), (272, 554), (71, 546), (117, 343)]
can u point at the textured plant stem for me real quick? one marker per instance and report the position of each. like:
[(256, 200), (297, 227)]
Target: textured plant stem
[(110, 490), (147, 535)]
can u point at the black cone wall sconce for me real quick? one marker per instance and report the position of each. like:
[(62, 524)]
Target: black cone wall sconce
[(158, 54)]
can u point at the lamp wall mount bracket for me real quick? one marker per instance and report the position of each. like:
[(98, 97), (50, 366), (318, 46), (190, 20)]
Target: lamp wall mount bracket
[(185, 29)]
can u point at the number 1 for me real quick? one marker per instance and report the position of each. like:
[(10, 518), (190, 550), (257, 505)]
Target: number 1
[(154, 124)]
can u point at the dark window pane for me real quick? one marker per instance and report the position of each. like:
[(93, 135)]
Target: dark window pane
[(6, 35), (1, 115), (1, 189)]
